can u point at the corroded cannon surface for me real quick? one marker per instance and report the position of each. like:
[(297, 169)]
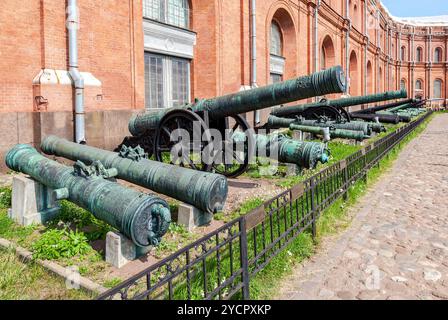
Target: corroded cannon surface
[(317, 84), (304, 154), (205, 191), (372, 117), (277, 122), (384, 107), (339, 103), (334, 133), (143, 218)]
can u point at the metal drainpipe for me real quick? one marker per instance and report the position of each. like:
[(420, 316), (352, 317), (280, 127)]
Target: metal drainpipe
[(78, 81), (253, 53), (347, 47), (316, 38)]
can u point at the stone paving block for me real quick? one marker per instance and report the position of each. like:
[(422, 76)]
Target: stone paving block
[(404, 225)]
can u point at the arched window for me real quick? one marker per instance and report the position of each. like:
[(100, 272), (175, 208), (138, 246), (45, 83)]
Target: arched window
[(419, 57), (327, 54), (276, 39), (403, 53), (438, 55), (403, 84), (174, 12), (418, 85), (437, 89), (323, 59)]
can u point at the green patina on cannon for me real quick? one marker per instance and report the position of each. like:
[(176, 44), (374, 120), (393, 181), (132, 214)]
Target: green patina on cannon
[(334, 133), (205, 191), (327, 107), (143, 218), (383, 118), (286, 150), (153, 131), (366, 128), (372, 110)]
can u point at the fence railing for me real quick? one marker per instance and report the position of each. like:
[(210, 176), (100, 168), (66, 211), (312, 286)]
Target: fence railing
[(221, 264)]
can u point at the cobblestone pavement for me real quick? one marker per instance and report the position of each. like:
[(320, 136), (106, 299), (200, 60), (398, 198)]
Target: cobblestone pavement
[(397, 244)]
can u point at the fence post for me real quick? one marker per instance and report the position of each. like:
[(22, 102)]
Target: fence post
[(313, 207), (345, 179), (244, 259)]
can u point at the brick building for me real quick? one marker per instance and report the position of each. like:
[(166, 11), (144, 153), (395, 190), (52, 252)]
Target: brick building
[(145, 54)]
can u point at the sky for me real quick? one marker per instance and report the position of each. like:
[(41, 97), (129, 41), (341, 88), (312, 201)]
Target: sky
[(416, 8)]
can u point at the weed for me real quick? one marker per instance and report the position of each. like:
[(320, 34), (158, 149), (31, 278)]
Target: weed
[(55, 244)]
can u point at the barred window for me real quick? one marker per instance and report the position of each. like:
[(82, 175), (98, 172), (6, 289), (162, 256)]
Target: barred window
[(276, 40), (403, 84), (174, 12), (437, 89), (276, 78), (167, 81)]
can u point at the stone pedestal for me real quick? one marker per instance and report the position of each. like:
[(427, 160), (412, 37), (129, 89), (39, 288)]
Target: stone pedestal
[(120, 250), (292, 170), (32, 202), (191, 217), (297, 135)]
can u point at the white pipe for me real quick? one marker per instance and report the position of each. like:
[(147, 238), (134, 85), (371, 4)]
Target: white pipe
[(253, 53), (78, 81)]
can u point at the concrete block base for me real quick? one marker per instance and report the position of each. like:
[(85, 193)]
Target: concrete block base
[(292, 170), (191, 217), (32, 202), (120, 250)]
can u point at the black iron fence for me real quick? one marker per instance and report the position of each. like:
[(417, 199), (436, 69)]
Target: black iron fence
[(221, 264)]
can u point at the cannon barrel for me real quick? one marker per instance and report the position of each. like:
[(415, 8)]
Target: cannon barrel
[(384, 118), (334, 133), (206, 191), (344, 102), (415, 104), (141, 217), (304, 154), (384, 107), (316, 84), (277, 122)]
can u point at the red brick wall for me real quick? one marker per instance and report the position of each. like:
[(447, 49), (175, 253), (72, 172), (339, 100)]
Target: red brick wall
[(33, 36)]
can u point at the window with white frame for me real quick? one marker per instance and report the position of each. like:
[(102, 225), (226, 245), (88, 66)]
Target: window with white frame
[(437, 89), (167, 81), (276, 39), (174, 12)]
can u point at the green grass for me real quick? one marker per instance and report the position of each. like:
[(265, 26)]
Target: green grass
[(245, 208), (29, 281)]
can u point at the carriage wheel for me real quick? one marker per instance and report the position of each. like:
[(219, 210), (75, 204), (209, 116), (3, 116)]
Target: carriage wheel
[(170, 144), (234, 157)]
